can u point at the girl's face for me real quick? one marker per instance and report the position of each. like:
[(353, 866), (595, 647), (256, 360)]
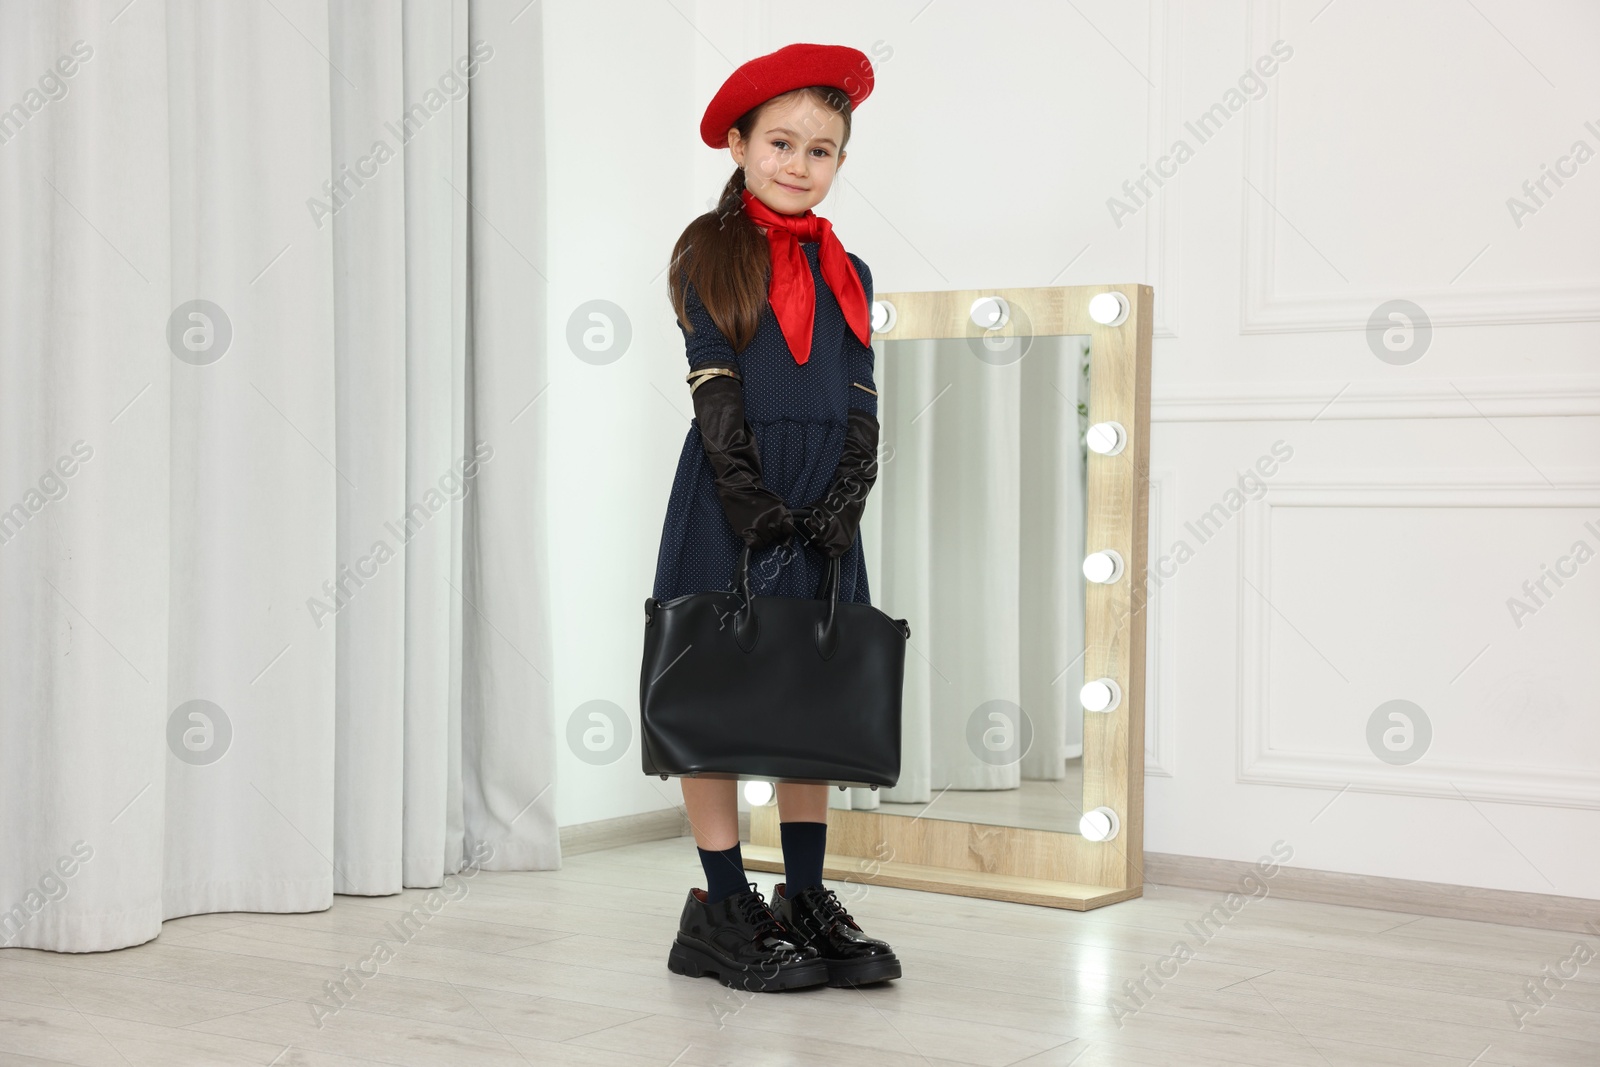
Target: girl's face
[(792, 155)]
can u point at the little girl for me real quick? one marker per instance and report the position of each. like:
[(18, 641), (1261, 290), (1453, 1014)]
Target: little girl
[(776, 322)]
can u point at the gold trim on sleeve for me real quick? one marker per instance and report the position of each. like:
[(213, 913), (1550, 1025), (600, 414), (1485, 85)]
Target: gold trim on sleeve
[(697, 378)]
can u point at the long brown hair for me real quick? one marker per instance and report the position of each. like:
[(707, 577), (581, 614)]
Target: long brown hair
[(722, 252)]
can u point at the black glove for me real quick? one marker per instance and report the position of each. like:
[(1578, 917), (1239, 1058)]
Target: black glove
[(830, 523), (757, 514)]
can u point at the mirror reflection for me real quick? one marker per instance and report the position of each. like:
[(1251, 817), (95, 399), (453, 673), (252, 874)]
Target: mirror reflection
[(975, 535)]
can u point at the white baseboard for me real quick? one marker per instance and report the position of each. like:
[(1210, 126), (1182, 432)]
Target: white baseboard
[(1509, 908), (1539, 910), (660, 825)]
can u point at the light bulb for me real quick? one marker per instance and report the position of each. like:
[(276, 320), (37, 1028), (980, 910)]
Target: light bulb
[(1108, 309), (758, 793), (1103, 567), (1102, 694), (1101, 824), (883, 316), (1106, 438), (990, 312)]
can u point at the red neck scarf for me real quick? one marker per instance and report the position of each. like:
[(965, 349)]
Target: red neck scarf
[(792, 291)]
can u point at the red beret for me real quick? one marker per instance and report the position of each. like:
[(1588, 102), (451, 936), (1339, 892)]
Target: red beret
[(793, 66)]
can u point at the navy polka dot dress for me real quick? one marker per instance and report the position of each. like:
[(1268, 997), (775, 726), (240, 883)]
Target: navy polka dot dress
[(798, 413)]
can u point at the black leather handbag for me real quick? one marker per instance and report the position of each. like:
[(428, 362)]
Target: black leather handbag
[(790, 689)]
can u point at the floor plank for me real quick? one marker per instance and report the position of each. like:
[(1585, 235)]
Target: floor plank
[(568, 967)]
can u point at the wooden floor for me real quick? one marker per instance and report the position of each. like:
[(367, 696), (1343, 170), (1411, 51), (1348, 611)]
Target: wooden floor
[(569, 967)]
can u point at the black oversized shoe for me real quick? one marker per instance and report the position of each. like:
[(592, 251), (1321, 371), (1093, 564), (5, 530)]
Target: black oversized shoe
[(739, 942), (817, 919)]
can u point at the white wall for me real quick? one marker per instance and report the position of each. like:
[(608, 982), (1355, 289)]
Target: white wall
[(1376, 165)]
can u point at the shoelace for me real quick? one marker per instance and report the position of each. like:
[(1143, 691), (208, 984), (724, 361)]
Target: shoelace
[(829, 906), (753, 909), (824, 906)]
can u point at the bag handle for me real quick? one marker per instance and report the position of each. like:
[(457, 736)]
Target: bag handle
[(746, 627), (827, 633)]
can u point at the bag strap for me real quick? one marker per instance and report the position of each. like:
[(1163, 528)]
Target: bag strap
[(746, 627), (827, 633)]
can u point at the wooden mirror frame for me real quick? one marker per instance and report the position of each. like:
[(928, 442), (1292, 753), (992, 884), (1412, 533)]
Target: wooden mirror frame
[(1052, 868)]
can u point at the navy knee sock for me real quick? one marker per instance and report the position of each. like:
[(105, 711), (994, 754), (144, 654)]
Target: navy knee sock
[(803, 846), (724, 872)]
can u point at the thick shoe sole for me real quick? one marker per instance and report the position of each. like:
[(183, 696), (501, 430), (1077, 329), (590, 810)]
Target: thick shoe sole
[(696, 962), (864, 972)]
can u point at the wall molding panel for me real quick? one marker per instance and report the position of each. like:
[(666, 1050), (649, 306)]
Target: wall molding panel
[(1260, 764), (1160, 691), (1543, 396), (1264, 310), (1165, 101)]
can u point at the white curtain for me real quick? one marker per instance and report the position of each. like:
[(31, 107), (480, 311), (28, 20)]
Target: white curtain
[(975, 536), (272, 594)]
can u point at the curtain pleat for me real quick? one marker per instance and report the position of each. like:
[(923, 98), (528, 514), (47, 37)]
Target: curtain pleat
[(272, 592), (508, 753)]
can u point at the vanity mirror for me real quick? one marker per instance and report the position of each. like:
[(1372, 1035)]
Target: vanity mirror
[(1008, 525)]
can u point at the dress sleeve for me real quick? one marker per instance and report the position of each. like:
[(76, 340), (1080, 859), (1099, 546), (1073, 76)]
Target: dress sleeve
[(859, 357), (706, 344)]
